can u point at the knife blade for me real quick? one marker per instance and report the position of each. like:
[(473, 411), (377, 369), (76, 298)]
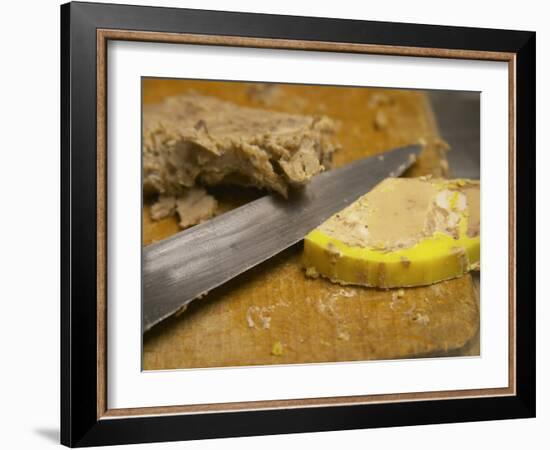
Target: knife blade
[(187, 265)]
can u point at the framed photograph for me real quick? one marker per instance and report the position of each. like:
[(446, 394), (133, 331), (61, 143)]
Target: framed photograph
[(272, 224)]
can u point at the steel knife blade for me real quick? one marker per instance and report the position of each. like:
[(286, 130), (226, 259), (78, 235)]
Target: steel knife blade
[(181, 268)]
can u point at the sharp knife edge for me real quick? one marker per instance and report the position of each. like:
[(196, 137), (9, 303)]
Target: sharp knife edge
[(179, 269)]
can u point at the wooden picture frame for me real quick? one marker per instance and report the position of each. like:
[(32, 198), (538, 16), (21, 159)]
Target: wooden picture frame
[(85, 417)]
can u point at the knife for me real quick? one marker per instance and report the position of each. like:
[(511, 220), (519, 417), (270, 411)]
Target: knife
[(187, 265)]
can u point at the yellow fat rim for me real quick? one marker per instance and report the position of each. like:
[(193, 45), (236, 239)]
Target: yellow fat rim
[(432, 259)]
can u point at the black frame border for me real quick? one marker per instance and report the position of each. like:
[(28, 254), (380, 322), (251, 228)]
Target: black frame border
[(79, 423)]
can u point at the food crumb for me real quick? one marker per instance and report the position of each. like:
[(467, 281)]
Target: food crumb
[(400, 293), (250, 320), (380, 120), (345, 293), (343, 335), (277, 349), (266, 322), (311, 272), (264, 93), (379, 99), (256, 315), (422, 319)]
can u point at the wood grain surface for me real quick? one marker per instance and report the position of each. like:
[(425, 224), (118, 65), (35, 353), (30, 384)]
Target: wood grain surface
[(273, 314)]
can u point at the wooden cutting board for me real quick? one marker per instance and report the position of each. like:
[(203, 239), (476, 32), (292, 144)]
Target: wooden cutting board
[(273, 314)]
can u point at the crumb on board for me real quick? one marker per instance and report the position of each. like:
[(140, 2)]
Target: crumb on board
[(411, 311), (347, 293), (277, 349), (342, 335), (380, 120), (263, 93), (311, 272), (249, 319), (378, 99), (266, 322), (195, 206), (258, 317), (421, 319), (164, 207), (394, 300)]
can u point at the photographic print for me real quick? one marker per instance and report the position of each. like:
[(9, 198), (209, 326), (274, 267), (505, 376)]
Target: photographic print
[(296, 224), (272, 224)]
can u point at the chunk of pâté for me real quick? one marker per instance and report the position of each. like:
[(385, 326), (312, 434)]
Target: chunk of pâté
[(194, 140)]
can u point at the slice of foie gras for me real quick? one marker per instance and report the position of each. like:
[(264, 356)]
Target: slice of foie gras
[(405, 232)]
